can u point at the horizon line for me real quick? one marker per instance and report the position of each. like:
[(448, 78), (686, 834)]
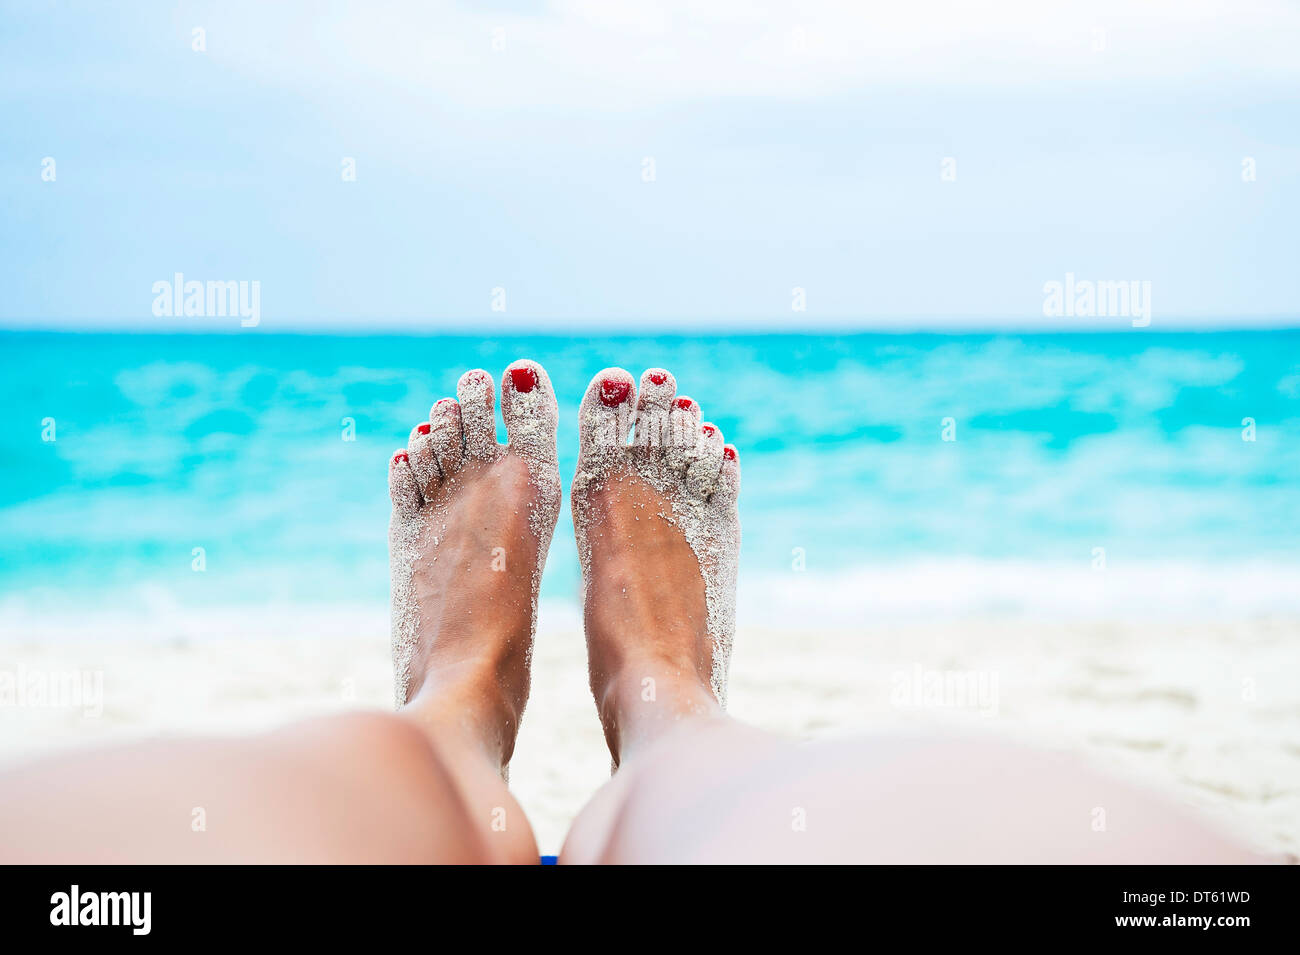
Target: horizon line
[(615, 327)]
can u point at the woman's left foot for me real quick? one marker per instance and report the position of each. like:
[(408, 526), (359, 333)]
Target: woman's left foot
[(472, 521)]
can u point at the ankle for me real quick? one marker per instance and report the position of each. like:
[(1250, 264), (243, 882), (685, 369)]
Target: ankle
[(648, 698), (465, 701)]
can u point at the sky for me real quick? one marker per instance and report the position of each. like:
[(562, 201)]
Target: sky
[(614, 165)]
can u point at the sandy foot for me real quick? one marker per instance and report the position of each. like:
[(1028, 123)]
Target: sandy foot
[(471, 524), (658, 536)]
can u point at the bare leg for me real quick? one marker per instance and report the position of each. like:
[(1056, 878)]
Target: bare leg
[(694, 785), (354, 788), (717, 791), (472, 521)]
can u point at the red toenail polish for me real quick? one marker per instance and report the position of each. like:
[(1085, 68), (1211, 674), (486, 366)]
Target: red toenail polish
[(524, 379), (658, 378), (400, 456), (614, 392), (710, 430), (729, 453), (684, 404), (423, 428)]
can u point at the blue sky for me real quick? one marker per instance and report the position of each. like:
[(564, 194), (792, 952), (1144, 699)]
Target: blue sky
[(503, 145)]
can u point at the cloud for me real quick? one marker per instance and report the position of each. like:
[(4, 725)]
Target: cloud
[(596, 54)]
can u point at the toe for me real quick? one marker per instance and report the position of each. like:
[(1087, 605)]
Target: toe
[(529, 408), (401, 484), (728, 488), (424, 463), (683, 434), (477, 413), (605, 416), (702, 472), (653, 406), (446, 437)]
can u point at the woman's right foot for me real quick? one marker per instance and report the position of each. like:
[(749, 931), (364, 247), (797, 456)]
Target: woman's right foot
[(659, 536)]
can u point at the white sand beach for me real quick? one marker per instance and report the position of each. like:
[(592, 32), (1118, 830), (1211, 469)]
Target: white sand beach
[(1206, 712)]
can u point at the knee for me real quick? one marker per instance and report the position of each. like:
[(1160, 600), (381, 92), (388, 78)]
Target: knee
[(378, 737), (407, 806)]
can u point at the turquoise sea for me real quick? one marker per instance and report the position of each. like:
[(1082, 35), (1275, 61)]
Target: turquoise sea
[(1136, 442)]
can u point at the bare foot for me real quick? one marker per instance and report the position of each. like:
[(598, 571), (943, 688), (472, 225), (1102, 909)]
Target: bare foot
[(659, 535), (472, 521)]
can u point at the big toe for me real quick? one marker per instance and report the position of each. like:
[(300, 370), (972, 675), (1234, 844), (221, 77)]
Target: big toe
[(529, 408), (605, 416)]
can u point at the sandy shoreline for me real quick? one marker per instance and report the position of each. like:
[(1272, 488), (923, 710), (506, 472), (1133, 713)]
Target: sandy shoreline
[(1205, 711)]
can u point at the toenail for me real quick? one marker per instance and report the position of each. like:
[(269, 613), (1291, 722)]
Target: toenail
[(710, 430), (684, 404), (423, 428), (400, 456), (658, 377), (614, 392), (729, 453), (524, 379)]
